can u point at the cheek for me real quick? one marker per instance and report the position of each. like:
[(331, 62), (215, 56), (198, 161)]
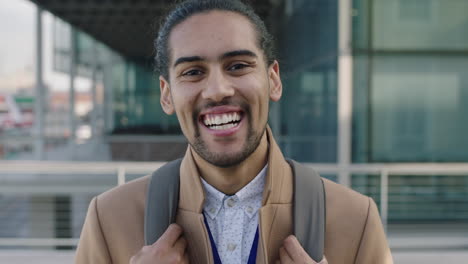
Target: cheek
[(255, 89), (184, 103)]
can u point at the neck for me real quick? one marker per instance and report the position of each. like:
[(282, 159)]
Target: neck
[(231, 180)]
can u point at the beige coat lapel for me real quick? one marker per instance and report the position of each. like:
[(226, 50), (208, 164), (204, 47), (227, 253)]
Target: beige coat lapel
[(276, 212), (189, 213)]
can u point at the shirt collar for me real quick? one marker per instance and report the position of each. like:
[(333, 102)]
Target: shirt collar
[(213, 199), (250, 196)]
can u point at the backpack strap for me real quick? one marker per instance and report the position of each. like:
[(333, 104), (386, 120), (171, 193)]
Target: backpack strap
[(162, 200), (309, 209), (309, 205)]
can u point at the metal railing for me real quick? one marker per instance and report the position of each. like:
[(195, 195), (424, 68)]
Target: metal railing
[(122, 170)]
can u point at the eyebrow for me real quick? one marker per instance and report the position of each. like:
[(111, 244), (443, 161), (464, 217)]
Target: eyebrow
[(235, 53), (228, 54), (187, 59)]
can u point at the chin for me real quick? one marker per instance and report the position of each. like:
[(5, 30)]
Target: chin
[(223, 159), (229, 153), (226, 161)]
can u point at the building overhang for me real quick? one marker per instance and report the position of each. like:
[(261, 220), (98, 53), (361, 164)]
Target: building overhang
[(127, 26)]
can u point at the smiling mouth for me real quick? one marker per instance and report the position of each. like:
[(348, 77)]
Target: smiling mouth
[(222, 121)]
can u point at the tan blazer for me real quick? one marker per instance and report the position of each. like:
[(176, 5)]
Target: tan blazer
[(113, 229)]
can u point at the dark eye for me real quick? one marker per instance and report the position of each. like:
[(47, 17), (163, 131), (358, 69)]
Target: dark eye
[(237, 66), (192, 73)]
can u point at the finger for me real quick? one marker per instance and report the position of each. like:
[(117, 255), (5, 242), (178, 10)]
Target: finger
[(324, 260), (186, 259), (171, 235), (284, 256), (144, 249), (294, 248), (180, 245)]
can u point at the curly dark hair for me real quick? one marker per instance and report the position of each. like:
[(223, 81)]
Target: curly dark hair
[(188, 8)]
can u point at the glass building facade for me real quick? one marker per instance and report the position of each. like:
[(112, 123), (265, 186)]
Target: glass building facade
[(306, 116), (410, 61), (410, 81)]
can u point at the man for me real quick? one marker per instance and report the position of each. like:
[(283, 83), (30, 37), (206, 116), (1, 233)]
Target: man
[(218, 75)]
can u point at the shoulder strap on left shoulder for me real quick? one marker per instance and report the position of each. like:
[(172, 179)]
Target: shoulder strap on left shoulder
[(309, 209), (162, 200)]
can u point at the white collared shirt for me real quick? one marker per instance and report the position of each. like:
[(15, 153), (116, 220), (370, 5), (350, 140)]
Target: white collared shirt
[(233, 220)]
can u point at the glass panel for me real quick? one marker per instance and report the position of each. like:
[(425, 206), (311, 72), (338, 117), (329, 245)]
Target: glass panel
[(85, 53), (61, 46), (84, 49), (306, 117), (118, 85), (136, 102), (418, 109), (415, 110), (420, 24), (361, 112), (361, 16)]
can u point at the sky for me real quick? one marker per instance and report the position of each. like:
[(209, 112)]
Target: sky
[(17, 29), (17, 49)]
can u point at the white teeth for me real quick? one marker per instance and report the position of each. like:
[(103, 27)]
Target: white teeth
[(222, 127), (221, 121), (226, 119)]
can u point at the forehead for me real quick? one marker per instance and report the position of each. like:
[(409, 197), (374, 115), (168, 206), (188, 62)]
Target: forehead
[(211, 34)]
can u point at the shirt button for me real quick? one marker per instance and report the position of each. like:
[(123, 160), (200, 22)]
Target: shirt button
[(212, 210), (231, 203), (231, 247), (249, 209)]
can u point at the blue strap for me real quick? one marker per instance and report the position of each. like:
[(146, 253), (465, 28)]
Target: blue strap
[(217, 259), (253, 250)]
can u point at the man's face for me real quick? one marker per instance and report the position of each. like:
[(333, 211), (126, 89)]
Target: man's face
[(219, 86)]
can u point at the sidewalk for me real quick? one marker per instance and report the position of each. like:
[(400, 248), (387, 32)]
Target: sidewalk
[(432, 257), (36, 257)]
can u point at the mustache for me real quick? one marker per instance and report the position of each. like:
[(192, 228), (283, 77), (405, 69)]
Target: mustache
[(225, 102)]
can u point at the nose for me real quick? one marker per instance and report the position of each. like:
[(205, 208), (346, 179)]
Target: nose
[(217, 87)]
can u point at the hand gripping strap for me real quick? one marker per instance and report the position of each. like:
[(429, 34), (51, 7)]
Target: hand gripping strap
[(162, 200), (309, 210)]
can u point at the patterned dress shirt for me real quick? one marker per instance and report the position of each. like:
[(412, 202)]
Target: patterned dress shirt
[(233, 220)]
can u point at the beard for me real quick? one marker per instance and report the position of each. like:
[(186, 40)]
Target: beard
[(225, 160)]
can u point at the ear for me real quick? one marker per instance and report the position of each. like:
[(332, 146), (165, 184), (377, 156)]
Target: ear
[(166, 98), (276, 87)]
